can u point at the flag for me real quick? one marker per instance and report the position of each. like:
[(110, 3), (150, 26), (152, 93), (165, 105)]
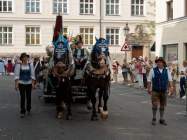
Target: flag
[(58, 27)]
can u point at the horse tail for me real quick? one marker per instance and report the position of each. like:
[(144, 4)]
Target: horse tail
[(109, 91)]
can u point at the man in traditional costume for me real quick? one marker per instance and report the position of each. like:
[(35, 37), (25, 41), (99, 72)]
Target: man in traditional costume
[(158, 80), (80, 56)]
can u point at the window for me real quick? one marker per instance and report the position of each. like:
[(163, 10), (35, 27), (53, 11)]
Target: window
[(5, 35), (5, 6), (137, 7), (32, 35), (112, 7), (60, 6), (170, 52), (87, 35), (112, 34), (32, 6), (86, 6), (65, 31), (169, 10)]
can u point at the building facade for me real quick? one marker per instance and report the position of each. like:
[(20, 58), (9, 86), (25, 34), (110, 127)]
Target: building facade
[(171, 30), (27, 25)]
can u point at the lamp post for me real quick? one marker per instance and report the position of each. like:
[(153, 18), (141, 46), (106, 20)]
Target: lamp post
[(126, 32)]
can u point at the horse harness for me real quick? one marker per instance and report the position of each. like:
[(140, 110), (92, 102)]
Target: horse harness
[(99, 73)]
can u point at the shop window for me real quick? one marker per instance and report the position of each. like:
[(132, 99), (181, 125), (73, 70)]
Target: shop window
[(170, 52)]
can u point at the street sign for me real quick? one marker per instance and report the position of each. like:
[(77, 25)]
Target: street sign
[(125, 47)]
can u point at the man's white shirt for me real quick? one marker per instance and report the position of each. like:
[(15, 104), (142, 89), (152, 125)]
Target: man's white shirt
[(152, 75)]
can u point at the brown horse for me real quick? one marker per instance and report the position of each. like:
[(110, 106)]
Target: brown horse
[(63, 90), (99, 78)]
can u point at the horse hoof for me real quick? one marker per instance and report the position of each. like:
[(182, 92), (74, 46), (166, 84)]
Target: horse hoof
[(104, 115), (60, 115), (100, 109), (94, 118)]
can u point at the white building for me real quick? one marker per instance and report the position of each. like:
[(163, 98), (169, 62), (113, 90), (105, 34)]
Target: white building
[(171, 30), (27, 25)]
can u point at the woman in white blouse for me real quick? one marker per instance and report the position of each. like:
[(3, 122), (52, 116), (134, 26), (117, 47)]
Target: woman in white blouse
[(24, 82)]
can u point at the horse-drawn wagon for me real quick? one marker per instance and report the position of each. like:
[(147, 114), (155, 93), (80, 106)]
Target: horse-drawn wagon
[(78, 88), (67, 79)]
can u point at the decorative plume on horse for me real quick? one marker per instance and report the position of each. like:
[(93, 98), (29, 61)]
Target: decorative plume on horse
[(98, 77)]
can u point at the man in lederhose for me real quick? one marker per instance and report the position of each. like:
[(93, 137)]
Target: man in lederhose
[(158, 80)]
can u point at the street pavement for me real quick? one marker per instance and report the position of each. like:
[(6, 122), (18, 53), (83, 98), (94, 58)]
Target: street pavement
[(129, 118)]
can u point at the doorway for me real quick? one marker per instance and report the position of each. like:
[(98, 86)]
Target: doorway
[(137, 51)]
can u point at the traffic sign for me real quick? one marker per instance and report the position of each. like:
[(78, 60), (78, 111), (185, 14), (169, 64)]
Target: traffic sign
[(125, 47)]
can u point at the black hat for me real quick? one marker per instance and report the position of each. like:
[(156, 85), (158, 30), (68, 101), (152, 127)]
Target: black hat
[(23, 55), (160, 59)]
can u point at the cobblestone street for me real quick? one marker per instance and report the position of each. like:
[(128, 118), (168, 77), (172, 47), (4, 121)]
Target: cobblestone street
[(129, 118)]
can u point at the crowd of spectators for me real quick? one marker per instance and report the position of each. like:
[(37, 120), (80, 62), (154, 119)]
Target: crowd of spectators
[(136, 71)]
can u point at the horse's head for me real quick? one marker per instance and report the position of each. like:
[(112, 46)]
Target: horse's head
[(100, 51), (102, 61), (60, 67)]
